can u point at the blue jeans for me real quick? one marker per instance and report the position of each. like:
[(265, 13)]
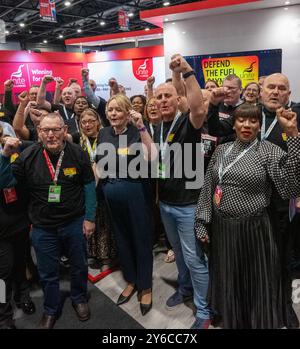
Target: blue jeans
[(48, 245), (190, 260)]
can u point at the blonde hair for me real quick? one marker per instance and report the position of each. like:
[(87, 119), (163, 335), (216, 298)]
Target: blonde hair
[(122, 101)]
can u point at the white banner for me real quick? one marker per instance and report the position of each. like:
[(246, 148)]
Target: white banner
[(132, 74)]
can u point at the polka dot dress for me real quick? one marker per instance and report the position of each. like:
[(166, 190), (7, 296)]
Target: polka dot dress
[(247, 185)]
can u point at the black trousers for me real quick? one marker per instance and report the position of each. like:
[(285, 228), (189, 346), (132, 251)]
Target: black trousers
[(129, 206), (13, 272)]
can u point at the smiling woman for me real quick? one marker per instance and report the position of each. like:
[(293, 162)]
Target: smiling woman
[(233, 215), (247, 122)]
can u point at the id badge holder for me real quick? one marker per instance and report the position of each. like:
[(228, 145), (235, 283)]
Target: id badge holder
[(161, 171), (54, 193), (218, 195), (10, 195)]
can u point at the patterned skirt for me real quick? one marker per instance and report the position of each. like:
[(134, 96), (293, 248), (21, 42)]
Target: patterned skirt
[(246, 279), (102, 245)]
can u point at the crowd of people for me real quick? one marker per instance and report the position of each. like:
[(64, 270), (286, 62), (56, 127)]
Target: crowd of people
[(82, 177)]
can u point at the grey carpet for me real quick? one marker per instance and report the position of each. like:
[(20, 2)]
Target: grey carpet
[(104, 313)]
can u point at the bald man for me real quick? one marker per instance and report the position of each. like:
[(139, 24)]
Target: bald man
[(176, 200)]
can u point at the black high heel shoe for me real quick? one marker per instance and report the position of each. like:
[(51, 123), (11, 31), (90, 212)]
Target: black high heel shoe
[(145, 308), (124, 299)]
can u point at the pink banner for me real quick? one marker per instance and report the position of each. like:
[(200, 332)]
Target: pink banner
[(26, 74)]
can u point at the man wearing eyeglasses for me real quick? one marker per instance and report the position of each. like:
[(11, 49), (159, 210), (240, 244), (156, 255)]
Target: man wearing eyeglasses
[(60, 182), (223, 102)]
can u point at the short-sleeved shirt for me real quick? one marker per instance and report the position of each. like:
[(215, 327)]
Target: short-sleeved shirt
[(172, 190), (31, 170), (122, 152)]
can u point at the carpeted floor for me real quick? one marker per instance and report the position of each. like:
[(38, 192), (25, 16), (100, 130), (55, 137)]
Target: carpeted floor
[(105, 314)]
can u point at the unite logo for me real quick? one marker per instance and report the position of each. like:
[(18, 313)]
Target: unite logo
[(142, 68), (17, 77)]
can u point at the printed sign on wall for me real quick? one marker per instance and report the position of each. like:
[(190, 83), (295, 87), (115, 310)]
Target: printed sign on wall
[(132, 74), (26, 74), (249, 65), (246, 68)]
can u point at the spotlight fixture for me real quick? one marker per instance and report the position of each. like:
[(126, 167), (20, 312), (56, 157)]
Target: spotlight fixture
[(60, 36), (147, 29), (102, 23), (67, 3), (166, 3), (130, 14), (22, 25), (45, 41), (79, 30)]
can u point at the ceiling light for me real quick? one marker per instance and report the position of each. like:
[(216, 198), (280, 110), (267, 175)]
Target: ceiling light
[(22, 25), (67, 3), (286, 8), (287, 2), (147, 29), (173, 23), (130, 14), (102, 23), (79, 30), (166, 3), (60, 36), (45, 41), (167, 19), (6, 32)]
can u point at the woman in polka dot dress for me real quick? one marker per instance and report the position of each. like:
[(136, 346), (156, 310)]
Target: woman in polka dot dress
[(233, 218)]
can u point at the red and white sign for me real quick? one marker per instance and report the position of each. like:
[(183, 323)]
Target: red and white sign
[(26, 74), (48, 11), (142, 68), (123, 20), (132, 74)]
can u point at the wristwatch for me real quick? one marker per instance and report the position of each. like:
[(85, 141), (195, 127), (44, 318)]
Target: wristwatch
[(189, 73)]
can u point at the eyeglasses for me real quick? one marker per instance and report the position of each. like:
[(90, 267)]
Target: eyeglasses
[(88, 122), (55, 131)]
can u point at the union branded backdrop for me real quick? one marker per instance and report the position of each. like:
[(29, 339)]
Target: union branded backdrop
[(132, 74), (25, 75), (247, 65)]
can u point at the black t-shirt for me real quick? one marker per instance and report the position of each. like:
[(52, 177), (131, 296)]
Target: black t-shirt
[(69, 117), (13, 214), (101, 111), (31, 171), (122, 154), (172, 190)]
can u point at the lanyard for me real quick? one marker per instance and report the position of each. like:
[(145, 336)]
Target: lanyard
[(53, 173), (66, 113), (76, 123), (151, 130), (222, 170), (162, 144), (265, 134), (91, 149)]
